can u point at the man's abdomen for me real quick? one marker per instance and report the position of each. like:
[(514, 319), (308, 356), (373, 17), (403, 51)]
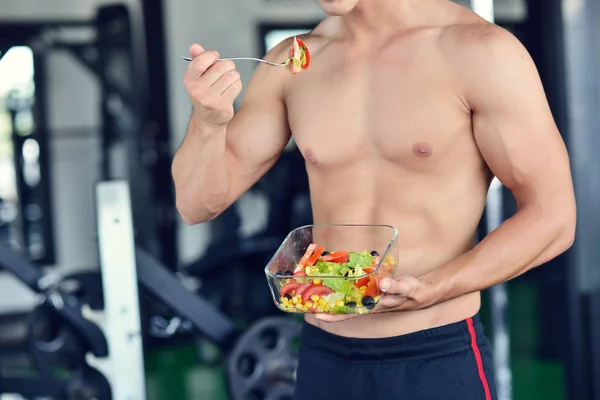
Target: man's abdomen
[(436, 220)]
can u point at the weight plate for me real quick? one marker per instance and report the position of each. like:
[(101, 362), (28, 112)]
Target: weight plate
[(263, 362)]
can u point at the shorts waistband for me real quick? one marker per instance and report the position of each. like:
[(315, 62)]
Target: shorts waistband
[(433, 342)]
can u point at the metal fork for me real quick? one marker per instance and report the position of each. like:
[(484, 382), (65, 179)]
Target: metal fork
[(283, 64)]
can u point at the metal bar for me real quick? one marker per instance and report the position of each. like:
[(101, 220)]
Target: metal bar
[(41, 135), (580, 33), (140, 142), (499, 303), (125, 367), (159, 141), (77, 51), (158, 280), (20, 267)]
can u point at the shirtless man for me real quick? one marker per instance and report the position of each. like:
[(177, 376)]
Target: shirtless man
[(408, 110)]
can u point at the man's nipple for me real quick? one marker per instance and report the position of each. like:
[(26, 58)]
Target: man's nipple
[(422, 150), (310, 156)]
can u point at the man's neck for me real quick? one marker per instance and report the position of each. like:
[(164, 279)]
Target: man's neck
[(378, 19)]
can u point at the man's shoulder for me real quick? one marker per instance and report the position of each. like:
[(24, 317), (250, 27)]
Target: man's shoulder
[(485, 58), (314, 40), (480, 44)]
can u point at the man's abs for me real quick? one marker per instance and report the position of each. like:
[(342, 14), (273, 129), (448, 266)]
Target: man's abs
[(436, 222)]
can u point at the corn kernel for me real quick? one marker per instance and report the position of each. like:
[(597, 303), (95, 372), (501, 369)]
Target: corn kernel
[(308, 304), (307, 270), (314, 298), (299, 306), (317, 281), (339, 303), (295, 300)]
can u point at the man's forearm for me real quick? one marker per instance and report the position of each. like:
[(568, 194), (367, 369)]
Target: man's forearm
[(524, 241), (200, 173)]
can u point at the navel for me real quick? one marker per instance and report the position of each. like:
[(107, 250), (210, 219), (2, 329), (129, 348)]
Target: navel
[(422, 150)]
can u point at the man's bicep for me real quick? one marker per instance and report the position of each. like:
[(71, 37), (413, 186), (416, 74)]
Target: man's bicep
[(513, 125), (257, 136)]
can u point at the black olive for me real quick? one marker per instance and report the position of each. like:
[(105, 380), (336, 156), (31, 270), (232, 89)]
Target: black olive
[(284, 273), (325, 253), (368, 302), (351, 304), (346, 274), (288, 296), (374, 253)]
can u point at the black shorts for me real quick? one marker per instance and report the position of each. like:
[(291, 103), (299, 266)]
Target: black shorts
[(443, 363)]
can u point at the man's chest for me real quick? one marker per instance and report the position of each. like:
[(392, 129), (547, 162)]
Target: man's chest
[(410, 116)]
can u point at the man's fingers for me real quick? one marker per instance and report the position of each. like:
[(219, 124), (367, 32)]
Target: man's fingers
[(404, 286), (232, 92), (195, 50), (200, 64), (216, 71), (390, 301), (225, 81)]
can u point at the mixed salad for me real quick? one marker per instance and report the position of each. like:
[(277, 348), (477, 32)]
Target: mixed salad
[(299, 57), (339, 282)]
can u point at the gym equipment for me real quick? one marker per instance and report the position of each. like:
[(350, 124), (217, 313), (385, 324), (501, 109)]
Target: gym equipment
[(98, 374), (120, 318), (265, 357), (32, 226), (58, 338), (574, 64), (125, 54)]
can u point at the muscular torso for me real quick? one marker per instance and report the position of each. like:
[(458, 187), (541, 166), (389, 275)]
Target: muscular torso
[(388, 140)]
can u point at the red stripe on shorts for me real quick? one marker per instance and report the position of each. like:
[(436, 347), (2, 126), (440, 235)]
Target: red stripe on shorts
[(484, 382)]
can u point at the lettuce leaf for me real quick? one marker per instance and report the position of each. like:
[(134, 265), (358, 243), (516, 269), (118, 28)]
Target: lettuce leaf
[(343, 286), (362, 260)]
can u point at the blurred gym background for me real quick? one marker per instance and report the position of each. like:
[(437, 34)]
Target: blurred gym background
[(91, 91)]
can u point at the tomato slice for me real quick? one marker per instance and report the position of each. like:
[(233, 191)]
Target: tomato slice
[(302, 288), (372, 289), (295, 55), (289, 288), (315, 256), (339, 257), (309, 252), (364, 281), (319, 290), (306, 53)]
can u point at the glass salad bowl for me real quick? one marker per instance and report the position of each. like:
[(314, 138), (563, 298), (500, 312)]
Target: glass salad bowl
[(332, 269)]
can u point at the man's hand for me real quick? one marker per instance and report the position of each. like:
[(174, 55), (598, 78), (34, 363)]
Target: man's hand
[(405, 293), (212, 86)]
